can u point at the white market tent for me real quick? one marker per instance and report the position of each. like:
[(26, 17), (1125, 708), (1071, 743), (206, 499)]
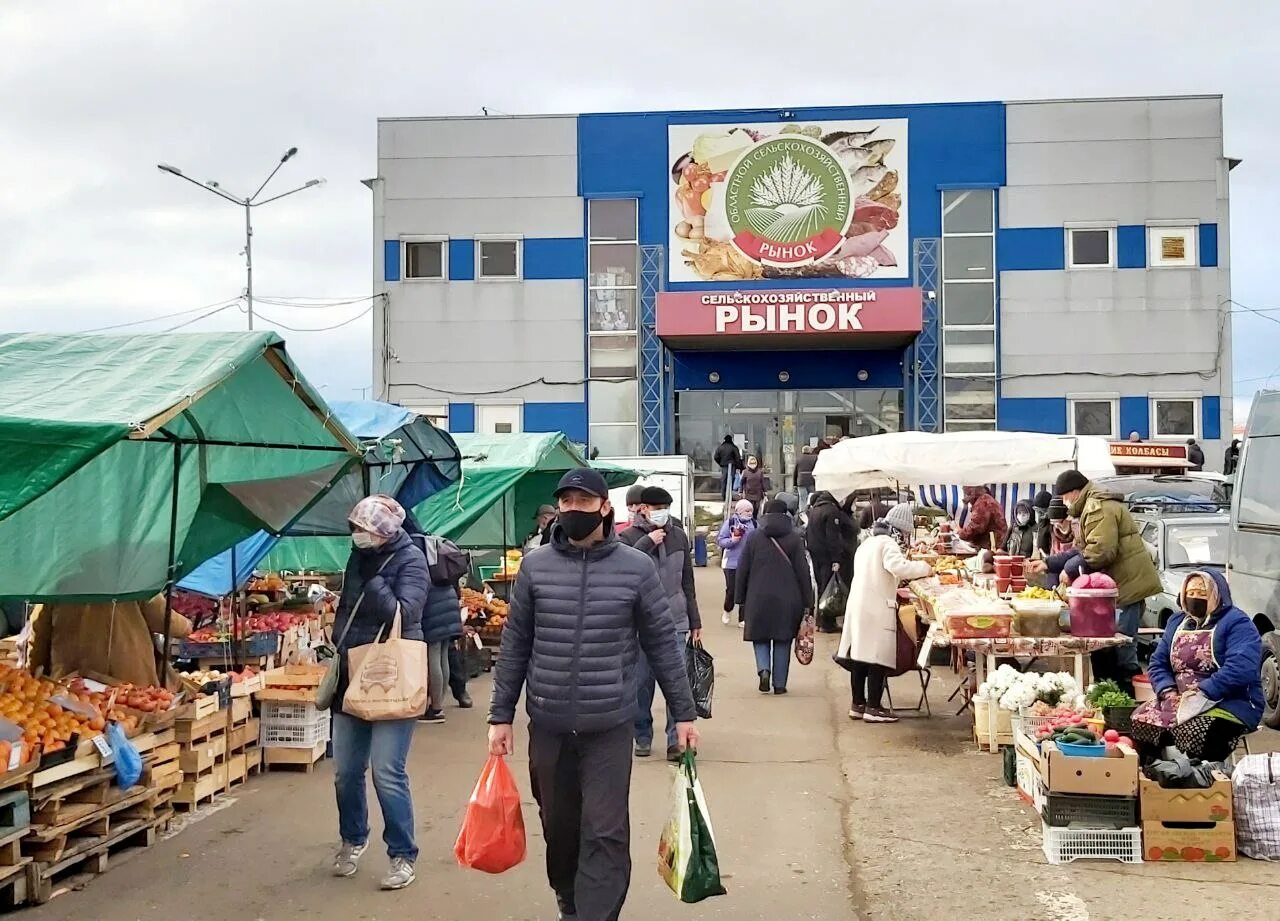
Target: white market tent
[(1013, 465)]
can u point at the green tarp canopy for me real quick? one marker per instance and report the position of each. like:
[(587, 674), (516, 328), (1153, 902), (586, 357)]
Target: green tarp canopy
[(505, 478), (126, 461)]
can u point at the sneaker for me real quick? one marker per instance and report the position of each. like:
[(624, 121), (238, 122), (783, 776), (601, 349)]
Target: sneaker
[(778, 690), (764, 681), (401, 875), (464, 701), (725, 618), (568, 909), (857, 712), (644, 749), (432, 716), (673, 754), (346, 861), (879, 715)]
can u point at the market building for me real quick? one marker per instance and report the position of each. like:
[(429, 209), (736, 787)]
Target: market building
[(648, 282)]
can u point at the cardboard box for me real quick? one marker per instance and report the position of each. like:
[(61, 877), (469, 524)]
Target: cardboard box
[(1204, 806), (1114, 774), (1213, 843)]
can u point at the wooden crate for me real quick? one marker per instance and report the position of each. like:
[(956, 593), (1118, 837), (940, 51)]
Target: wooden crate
[(240, 710), (88, 759), (197, 709), (196, 790), (13, 870), (87, 809), (305, 758), (292, 682), (200, 757), (91, 856), (244, 735), (203, 728)]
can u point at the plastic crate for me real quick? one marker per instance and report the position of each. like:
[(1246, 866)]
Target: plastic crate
[(1028, 780), (1074, 810), (289, 713), (298, 735), (1027, 724), (1063, 845)]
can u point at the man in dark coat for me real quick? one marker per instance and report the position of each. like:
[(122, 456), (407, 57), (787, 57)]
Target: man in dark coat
[(805, 483), (582, 610), (832, 538), (1195, 455), (1232, 458), (1044, 526), (728, 458), (658, 534)]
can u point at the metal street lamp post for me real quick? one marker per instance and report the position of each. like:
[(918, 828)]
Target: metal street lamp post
[(248, 204)]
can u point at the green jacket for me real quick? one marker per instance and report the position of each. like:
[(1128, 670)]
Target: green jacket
[(1112, 544)]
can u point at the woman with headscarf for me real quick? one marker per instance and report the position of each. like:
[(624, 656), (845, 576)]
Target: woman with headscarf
[(1022, 536), (731, 539), (386, 575), (869, 641), (1205, 673)]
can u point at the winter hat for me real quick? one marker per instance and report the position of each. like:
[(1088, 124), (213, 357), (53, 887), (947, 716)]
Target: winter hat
[(1070, 481), (744, 509), (1057, 509), (775, 507), (1042, 499), (380, 515), (901, 517), (635, 495), (655, 495)]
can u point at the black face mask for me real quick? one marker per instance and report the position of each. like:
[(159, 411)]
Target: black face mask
[(1197, 608), (580, 525)]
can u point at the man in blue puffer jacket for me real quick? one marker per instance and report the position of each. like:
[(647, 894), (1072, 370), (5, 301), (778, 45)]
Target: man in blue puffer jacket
[(583, 609)]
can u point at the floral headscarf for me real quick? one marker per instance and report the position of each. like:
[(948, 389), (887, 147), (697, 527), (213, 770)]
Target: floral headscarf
[(380, 515)]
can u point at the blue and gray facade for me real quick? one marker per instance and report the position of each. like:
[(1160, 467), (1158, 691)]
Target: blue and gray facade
[(1071, 258)]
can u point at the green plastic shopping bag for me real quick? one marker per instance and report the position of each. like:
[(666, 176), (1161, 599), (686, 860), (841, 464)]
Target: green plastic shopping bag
[(687, 859)]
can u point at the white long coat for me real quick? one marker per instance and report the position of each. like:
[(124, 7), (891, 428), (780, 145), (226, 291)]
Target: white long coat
[(871, 618)]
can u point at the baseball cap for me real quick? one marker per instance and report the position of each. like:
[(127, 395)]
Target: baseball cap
[(584, 479)]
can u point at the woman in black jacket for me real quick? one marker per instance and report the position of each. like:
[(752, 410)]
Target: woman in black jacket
[(1021, 540), (774, 589), (386, 573)]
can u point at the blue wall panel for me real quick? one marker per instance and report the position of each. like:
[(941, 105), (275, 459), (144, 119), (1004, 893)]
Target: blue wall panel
[(555, 257), (1211, 418), (1131, 246), (808, 370), (462, 417), (390, 260), (1030, 248), (570, 418), (1208, 245), (1033, 414), (1135, 416), (462, 260)]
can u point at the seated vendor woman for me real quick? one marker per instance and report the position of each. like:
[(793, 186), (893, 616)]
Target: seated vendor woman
[(1205, 675)]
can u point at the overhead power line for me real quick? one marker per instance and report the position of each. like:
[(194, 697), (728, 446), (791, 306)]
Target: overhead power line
[(228, 302)]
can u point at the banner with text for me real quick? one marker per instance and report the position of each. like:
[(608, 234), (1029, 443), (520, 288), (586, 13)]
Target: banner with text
[(689, 314), (800, 200)]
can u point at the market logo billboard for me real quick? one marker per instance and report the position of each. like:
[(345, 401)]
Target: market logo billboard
[(823, 200)]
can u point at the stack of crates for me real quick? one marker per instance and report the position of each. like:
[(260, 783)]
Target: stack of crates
[(1089, 806), (294, 732), (292, 725)]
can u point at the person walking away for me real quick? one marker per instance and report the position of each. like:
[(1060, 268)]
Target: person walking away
[(985, 528), (1044, 527), (805, 482), (755, 484), (581, 614), (775, 590), (1110, 542), (633, 508), (659, 536), (731, 539), (1206, 675), (1231, 459), (541, 535), (441, 627), (869, 641), (1195, 456), (1022, 536), (831, 537), (728, 458), (386, 574)]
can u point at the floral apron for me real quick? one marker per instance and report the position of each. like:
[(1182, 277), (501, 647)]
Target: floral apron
[(1191, 656)]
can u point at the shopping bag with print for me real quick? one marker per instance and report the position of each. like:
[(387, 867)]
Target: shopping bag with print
[(388, 680), (804, 638), (700, 665), (492, 835), (687, 859)]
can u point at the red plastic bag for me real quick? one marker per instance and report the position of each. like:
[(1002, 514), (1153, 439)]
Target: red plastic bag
[(492, 835)]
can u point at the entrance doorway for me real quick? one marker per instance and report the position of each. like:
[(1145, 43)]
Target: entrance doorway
[(775, 425)]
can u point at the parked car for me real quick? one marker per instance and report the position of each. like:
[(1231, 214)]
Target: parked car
[(1180, 542), (1175, 493)]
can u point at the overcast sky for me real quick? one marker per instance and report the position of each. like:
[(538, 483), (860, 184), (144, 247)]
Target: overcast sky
[(95, 94)]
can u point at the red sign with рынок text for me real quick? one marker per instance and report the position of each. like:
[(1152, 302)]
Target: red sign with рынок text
[(836, 311)]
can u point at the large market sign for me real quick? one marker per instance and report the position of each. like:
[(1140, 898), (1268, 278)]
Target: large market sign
[(849, 311)]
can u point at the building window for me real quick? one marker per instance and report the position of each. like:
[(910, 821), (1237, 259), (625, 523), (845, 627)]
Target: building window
[(968, 309), (497, 259), (1094, 415), (1091, 247), (1175, 416), (425, 258), (1172, 247), (499, 418), (613, 268)]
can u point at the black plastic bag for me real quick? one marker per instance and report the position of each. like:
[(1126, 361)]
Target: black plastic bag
[(700, 665), (834, 599)]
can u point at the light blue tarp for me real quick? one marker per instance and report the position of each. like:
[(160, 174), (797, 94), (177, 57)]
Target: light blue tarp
[(405, 456)]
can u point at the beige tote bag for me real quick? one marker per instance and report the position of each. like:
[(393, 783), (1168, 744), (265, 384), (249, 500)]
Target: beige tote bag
[(388, 680)]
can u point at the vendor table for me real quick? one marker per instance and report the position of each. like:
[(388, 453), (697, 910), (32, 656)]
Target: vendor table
[(986, 650)]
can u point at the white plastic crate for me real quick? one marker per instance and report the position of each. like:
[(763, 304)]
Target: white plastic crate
[(300, 735), (1063, 845), (290, 713), (1028, 725)]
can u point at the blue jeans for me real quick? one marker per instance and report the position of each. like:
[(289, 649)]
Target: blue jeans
[(646, 687), (356, 743), (774, 656), (1128, 619)]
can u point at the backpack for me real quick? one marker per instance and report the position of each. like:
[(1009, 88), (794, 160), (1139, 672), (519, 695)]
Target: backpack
[(446, 561)]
